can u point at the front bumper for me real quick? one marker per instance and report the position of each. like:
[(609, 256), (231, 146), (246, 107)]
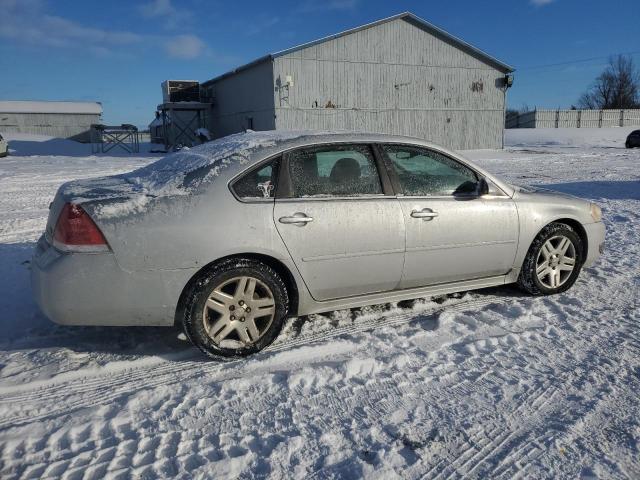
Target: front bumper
[(595, 242), (92, 289)]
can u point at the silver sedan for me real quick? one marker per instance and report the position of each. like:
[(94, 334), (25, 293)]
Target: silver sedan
[(230, 238)]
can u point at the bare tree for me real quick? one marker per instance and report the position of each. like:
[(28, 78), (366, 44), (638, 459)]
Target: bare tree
[(618, 86)]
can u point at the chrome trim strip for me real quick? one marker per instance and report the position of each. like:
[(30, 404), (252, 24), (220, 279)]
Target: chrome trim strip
[(352, 255), (449, 246)]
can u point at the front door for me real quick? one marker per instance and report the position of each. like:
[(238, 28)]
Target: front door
[(344, 234), (452, 232)]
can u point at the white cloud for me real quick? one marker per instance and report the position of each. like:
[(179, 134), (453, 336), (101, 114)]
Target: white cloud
[(541, 3), (185, 47), (157, 8), (164, 10), (26, 22)]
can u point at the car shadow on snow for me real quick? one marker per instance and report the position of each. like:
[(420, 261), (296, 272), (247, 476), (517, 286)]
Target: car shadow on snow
[(610, 190)]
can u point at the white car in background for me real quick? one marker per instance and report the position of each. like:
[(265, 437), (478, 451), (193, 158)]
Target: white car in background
[(4, 147)]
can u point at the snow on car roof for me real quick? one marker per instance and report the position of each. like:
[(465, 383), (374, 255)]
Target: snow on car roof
[(92, 108), (176, 173)]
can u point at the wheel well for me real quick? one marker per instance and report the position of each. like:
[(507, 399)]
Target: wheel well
[(280, 268), (579, 229)]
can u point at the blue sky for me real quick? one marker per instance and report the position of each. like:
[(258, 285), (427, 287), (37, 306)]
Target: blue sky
[(118, 52)]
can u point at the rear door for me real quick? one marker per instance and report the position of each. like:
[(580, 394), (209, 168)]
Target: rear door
[(453, 232), (345, 235)]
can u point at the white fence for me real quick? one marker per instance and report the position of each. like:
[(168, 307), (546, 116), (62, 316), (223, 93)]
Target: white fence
[(574, 119)]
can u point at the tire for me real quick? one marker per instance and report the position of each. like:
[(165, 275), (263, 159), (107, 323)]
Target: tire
[(223, 318), (546, 272)]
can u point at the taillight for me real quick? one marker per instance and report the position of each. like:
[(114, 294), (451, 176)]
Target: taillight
[(75, 231)]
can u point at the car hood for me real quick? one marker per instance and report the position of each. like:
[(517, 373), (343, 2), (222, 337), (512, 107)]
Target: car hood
[(537, 190)]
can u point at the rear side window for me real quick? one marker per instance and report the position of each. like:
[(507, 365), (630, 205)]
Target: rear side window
[(423, 172), (258, 183), (336, 170)]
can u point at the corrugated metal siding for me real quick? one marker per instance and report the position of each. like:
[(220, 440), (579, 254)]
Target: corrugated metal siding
[(62, 125), (247, 94), (393, 78), (577, 119)]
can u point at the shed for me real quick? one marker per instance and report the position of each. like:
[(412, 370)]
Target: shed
[(399, 75), (70, 120)]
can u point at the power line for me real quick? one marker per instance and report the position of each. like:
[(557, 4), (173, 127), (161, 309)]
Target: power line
[(583, 60)]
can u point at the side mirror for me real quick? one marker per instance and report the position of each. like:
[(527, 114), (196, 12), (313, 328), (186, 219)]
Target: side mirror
[(483, 187)]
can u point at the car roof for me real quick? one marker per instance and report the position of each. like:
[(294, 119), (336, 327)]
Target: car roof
[(247, 147), (184, 171)]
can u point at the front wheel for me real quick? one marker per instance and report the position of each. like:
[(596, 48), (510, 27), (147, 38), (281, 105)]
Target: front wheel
[(553, 262), (236, 308)]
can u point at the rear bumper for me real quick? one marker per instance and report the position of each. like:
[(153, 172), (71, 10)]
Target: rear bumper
[(595, 240), (92, 289)]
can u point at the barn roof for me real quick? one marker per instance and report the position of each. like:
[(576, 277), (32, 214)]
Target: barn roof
[(407, 16), (89, 108)]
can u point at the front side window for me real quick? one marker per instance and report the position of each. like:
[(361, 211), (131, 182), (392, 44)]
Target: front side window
[(337, 170), (423, 172), (258, 183)]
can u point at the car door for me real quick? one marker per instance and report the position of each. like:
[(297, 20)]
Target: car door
[(343, 232), (453, 232)]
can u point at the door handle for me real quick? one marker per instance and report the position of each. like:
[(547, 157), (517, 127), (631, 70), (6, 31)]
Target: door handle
[(425, 213), (296, 219)]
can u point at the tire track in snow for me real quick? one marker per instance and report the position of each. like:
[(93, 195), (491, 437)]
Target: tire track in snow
[(548, 401), (101, 388)]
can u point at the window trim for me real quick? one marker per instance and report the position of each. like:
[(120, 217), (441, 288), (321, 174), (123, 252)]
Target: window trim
[(285, 186), (395, 181)]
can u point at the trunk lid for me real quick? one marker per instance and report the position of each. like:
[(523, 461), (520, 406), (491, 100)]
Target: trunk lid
[(90, 192)]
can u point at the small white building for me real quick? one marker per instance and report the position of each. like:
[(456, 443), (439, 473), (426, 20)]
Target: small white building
[(70, 120)]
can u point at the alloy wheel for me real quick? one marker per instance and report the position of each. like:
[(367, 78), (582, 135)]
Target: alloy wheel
[(238, 312), (556, 261)]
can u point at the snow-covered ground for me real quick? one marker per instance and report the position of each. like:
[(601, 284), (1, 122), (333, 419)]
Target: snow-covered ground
[(483, 384)]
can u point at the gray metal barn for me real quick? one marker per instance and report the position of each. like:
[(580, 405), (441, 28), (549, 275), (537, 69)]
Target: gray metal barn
[(56, 119), (399, 75)]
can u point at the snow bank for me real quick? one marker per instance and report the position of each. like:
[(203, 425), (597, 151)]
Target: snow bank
[(28, 145), (25, 144), (567, 137)]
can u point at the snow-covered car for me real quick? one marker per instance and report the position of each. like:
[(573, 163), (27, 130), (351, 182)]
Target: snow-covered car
[(4, 147), (633, 140), (229, 238)]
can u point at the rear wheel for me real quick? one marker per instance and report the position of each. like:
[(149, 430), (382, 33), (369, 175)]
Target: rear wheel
[(236, 308), (553, 262)]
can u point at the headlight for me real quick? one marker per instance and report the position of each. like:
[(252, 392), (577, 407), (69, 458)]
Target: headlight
[(596, 212)]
